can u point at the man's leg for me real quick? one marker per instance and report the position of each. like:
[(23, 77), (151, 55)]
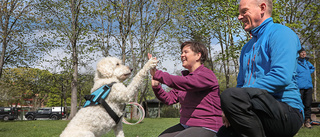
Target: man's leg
[(307, 101), (236, 105), (254, 112), (288, 125)]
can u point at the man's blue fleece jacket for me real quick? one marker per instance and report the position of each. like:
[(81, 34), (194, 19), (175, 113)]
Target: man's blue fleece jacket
[(269, 61)]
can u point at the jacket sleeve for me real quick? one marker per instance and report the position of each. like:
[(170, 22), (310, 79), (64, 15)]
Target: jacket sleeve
[(197, 81), (283, 45), (168, 98), (311, 67)]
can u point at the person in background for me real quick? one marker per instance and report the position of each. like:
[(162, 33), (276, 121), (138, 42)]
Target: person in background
[(266, 101), (304, 81), (197, 91)]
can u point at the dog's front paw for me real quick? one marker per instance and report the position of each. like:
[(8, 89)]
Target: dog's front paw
[(152, 63)]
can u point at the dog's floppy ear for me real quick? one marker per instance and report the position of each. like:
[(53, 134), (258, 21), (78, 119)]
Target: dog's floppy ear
[(105, 67)]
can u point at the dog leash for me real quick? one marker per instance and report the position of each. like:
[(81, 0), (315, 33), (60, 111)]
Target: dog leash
[(98, 97)]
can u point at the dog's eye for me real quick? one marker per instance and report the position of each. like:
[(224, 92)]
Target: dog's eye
[(118, 64)]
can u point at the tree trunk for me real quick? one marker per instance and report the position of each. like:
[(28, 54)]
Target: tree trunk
[(75, 13), (159, 109), (147, 108), (74, 83), (315, 75), (80, 95), (224, 61), (4, 45), (210, 61), (3, 53)]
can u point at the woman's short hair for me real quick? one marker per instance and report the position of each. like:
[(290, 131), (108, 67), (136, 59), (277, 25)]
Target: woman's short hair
[(197, 47)]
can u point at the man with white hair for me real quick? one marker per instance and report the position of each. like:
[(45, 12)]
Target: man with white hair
[(266, 101)]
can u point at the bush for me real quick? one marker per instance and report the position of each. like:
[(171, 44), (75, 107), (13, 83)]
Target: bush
[(169, 112)]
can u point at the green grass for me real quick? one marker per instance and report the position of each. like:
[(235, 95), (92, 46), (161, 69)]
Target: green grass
[(147, 128), (305, 132)]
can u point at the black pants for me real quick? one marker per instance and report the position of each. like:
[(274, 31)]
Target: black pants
[(179, 131), (306, 96), (254, 112)]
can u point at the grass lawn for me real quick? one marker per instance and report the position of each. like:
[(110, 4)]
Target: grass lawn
[(147, 128)]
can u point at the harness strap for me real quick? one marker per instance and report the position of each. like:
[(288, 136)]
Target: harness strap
[(91, 101), (89, 97), (112, 114)]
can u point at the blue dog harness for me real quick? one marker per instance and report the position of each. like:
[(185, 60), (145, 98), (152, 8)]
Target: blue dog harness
[(98, 97)]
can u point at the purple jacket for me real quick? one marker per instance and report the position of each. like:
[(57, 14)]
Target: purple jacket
[(198, 93)]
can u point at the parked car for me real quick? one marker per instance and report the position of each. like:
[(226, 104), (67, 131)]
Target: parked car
[(8, 113), (61, 111), (44, 113)]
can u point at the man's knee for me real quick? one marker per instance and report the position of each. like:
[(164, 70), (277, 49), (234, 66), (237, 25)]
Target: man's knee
[(226, 94), (230, 95)]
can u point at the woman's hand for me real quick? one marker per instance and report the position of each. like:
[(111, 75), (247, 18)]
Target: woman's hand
[(225, 120), (152, 71), (154, 83)]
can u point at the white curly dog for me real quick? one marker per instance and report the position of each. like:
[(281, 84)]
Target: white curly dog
[(94, 120)]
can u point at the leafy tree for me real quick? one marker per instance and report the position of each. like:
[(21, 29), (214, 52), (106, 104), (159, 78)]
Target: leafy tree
[(228, 31), (19, 84), (211, 21), (85, 85), (103, 27), (153, 16), (16, 29), (67, 21), (57, 95)]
